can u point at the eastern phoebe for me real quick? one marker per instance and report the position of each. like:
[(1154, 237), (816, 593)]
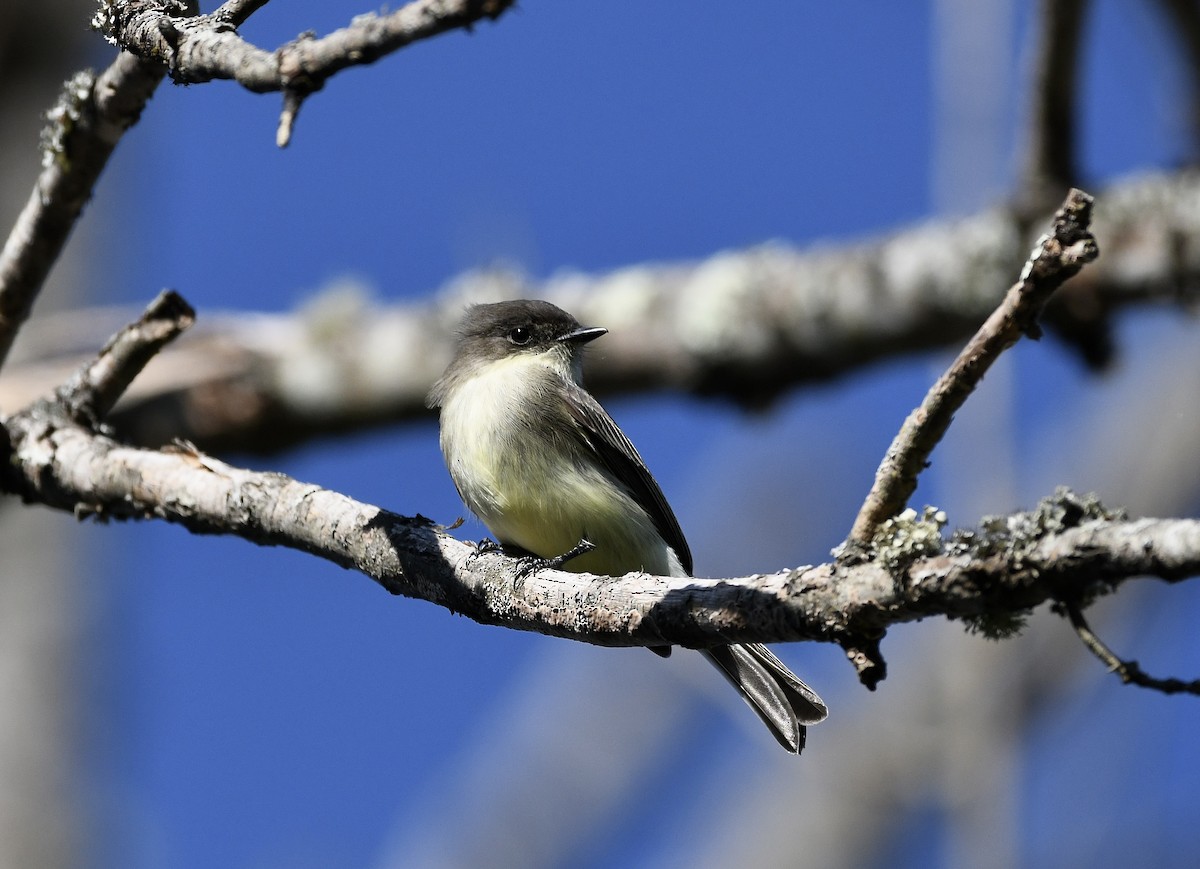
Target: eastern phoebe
[(545, 467)]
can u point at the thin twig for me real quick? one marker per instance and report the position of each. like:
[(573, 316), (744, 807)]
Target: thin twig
[(1050, 157), (1057, 257), (95, 388), (292, 100), (251, 381), (1128, 671), (91, 116)]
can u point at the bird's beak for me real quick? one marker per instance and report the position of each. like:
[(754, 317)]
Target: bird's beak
[(584, 334)]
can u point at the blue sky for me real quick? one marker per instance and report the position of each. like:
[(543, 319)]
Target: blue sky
[(258, 708)]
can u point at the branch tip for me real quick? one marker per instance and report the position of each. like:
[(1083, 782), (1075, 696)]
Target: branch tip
[(1128, 671), (292, 100), (96, 387)]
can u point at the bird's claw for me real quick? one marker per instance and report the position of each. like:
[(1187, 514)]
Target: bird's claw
[(530, 564), (484, 547)]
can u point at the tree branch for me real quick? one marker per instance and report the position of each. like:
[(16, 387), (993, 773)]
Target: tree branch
[(63, 465), (201, 48), (1069, 549), (1183, 23), (94, 390), (267, 381), (1058, 257), (91, 116), (93, 112), (1128, 671)]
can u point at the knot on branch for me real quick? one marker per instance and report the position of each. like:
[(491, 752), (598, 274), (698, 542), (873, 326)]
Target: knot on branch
[(867, 659), (297, 71)]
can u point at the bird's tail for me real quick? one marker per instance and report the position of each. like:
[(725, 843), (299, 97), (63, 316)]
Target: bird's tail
[(775, 693)]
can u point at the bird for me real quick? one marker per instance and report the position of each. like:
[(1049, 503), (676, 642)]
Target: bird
[(551, 475)]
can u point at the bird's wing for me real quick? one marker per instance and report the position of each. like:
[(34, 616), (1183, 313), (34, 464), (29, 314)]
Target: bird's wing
[(621, 459)]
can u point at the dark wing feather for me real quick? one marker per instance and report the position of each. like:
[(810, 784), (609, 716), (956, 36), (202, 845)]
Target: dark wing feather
[(621, 459)]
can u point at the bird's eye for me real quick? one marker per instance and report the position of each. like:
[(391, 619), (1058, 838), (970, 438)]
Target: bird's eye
[(520, 335)]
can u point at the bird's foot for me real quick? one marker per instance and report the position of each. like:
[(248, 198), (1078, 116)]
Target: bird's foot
[(486, 546), (533, 563)]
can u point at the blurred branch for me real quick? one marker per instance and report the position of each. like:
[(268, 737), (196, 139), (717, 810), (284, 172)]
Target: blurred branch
[(1058, 257), (201, 48), (1050, 156), (1183, 23), (1128, 671), (91, 116), (746, 326)]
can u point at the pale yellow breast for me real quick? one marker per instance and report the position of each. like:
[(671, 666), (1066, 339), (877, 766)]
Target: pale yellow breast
[(535, 485)]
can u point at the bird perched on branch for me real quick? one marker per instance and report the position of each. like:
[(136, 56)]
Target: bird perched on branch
[(537, 458)]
